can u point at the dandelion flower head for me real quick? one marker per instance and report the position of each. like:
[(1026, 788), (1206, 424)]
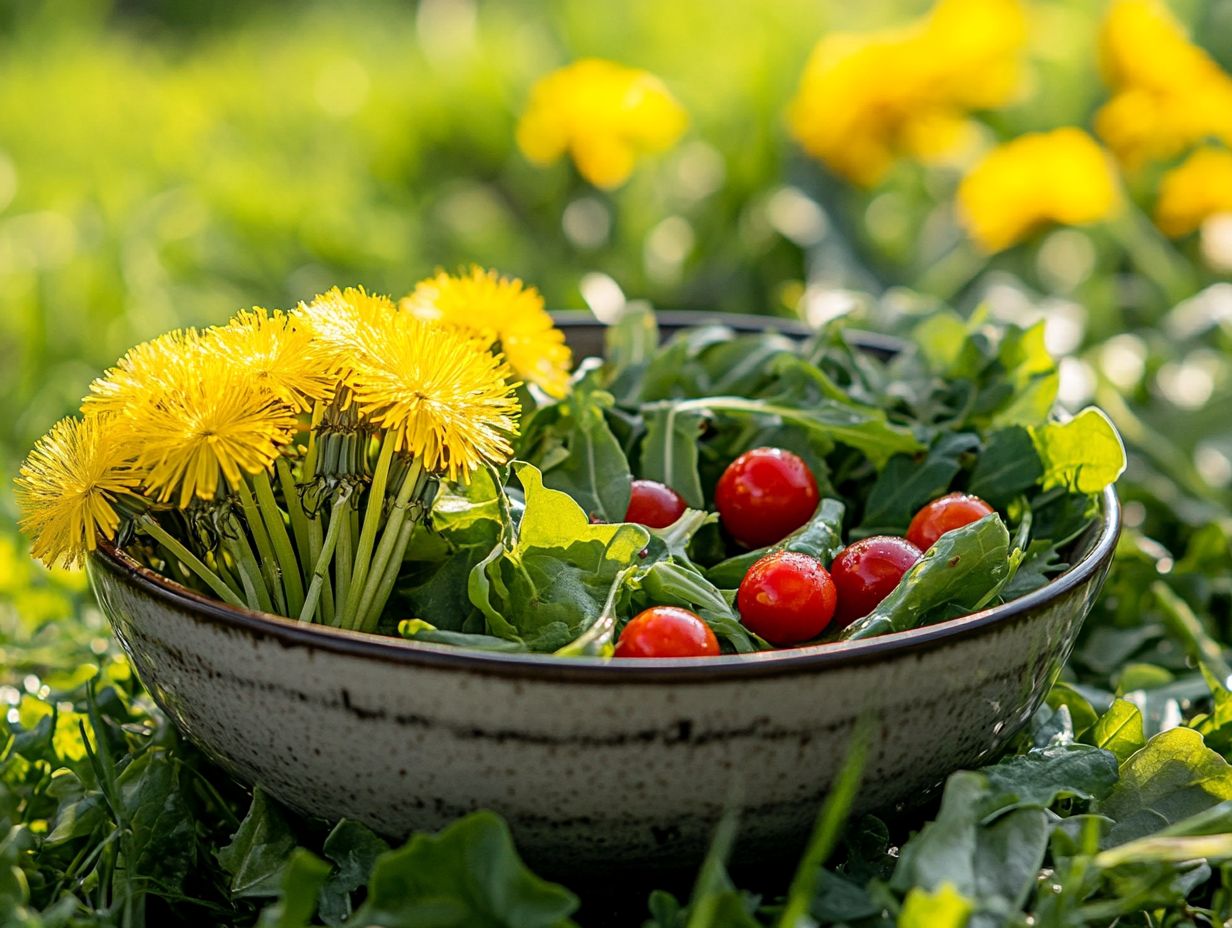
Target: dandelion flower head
[(1197, 189), (500, 309), (1169, 92), (604, 115), (68, 488), (338, 322), (275, 349), (866, 100), (1061, 176), (145, 373), (219, 424), (445, 397)]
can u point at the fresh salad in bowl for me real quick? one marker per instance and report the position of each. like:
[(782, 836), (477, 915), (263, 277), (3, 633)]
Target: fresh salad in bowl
[(441, 469), (717, 491)]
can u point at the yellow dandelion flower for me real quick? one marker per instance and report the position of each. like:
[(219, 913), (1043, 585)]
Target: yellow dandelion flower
[(979, 47), (1170, 94), (337, 321), (1194, 191), (68, 488), (500, 309), (146, 370), (866, 100), (275, 349), (439, 390), (215, 426), (604, 115), (1061, 176)]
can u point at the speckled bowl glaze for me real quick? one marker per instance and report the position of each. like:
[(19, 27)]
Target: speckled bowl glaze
[(595, 765)]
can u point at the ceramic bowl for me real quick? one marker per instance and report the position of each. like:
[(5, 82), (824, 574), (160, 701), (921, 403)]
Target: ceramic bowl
[(594, 765)]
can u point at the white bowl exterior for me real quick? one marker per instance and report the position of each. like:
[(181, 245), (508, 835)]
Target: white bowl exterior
[(590, 773)]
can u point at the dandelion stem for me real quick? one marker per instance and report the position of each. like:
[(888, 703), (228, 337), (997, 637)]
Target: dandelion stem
[(367, 535), (320, 573), (295, 510), (1153, 255), (310, 457), (408, 494), (292, 575), (314, 551), (269, 567), (388, 577), (246, 564), (251, 587), (188, 559), (342, 563)]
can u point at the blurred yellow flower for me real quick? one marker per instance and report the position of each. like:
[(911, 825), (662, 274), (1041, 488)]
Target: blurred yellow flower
[(68, 488), (604, 115), (865, 100), (1197, 189), (1169, 93), (1061, 176), (446, 398), (504, 310)]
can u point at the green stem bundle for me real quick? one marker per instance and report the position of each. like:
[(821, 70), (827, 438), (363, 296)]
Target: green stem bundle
[(194, 564), (320, 572), (270, 568), (277, 529), (331, 557)]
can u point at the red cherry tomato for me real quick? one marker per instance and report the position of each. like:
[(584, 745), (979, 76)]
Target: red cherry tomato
[(867, 570), (666, 631), (944, 515), (765, 495), (654, 504), (786, 597)]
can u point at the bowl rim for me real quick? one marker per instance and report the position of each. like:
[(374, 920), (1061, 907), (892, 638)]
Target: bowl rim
[(806, 659)]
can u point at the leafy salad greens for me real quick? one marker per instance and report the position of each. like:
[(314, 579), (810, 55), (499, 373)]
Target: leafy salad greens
[(537, 557)]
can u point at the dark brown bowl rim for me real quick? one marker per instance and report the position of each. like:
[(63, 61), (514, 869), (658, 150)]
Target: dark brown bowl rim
[(805, 659)]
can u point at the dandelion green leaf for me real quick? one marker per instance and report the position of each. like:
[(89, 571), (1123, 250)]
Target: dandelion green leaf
[(1119, 730), (467, 876), (257, 855), (1084, 454), (1175, 775)]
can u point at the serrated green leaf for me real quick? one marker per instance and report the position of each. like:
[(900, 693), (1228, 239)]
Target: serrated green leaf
[(1083, 455), (354, 850), (551, 584), (594, 472)]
